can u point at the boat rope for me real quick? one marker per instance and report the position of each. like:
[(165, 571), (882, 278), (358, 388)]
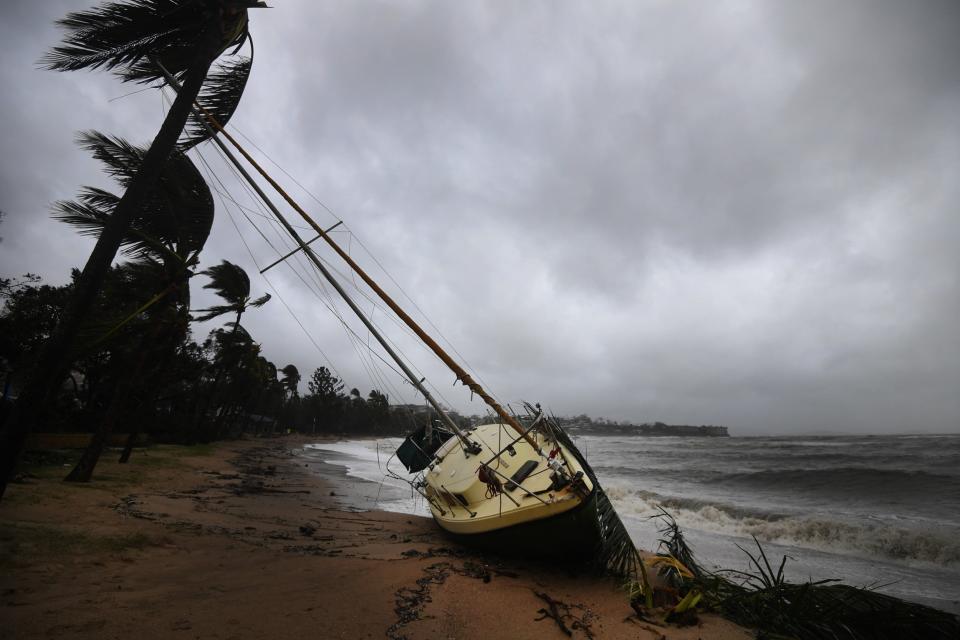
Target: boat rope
[(318, 282), (489, 478), (469, 445), (369, 253), (246, 245), (458, 371), (373, 372), (375, 376)]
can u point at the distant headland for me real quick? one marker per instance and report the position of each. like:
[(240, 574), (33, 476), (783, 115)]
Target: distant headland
[(584, 425)]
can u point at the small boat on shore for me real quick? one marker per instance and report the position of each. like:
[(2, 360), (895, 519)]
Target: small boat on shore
[(527, 493)]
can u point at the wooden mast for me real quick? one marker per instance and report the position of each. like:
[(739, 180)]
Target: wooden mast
[(470, 447), (458, 371)]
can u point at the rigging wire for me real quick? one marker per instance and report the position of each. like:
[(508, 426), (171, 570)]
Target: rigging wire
[(369, 253), (374, 375), (331, 301), (244, 212), (254, 259), (127, 95), (319, 289), (224, 196), (311, 270)]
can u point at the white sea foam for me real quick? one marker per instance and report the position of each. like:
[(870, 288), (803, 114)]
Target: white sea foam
[(368, 460), (831, 535)]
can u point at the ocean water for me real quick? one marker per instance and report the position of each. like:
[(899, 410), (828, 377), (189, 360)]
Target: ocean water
[(879, 511)]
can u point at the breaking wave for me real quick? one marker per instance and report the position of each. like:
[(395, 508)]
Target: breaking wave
[(864, 539), (846, 479)]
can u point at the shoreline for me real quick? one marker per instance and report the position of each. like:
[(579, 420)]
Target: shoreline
[(241, 540), (717, 547)]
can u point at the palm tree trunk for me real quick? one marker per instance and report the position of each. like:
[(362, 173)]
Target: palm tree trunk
[(120, 400), (218, 424), (56, 354), (121, 397), (128, 446), (161, 336)]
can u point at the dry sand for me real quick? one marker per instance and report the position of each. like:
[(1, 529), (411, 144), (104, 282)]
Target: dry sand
[(241, 541)]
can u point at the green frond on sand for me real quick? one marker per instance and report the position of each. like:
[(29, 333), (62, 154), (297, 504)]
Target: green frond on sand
[(763, 599)]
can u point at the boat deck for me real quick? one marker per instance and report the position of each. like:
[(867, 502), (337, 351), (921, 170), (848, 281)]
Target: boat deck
[(462, 503)]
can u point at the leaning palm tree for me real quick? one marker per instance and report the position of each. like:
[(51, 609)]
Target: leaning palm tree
[(134, 38), (165, 238), (230, 282), (290, 380)]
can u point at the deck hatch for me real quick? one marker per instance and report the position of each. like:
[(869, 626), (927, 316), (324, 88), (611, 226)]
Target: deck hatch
[(521, 474)]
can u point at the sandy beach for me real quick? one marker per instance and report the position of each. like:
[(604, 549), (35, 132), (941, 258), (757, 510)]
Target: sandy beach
[(242, 540)]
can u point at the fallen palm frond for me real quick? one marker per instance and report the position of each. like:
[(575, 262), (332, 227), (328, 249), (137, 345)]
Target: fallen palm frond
[(674, 546), (668, 563), (763, 599), (616, 554)]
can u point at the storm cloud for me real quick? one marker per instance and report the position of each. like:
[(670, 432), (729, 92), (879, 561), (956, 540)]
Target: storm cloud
[(740, 213)]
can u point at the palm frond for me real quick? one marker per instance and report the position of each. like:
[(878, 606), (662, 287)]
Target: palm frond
[(120, 158), (213, 312), (118, 34), (259, 302), (229, 281), (616, 554), (219, 97), (90, 213), (176, 215), (121, 35), (89, 219), (675, 545), (763, 599)]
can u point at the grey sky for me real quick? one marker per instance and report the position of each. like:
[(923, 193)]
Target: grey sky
[(739, 213)]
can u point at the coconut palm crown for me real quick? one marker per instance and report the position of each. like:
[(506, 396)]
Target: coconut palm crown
[(138, 39), (174, 219), (230, 282)]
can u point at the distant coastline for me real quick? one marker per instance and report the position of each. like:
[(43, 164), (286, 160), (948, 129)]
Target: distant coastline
[(652, 429)]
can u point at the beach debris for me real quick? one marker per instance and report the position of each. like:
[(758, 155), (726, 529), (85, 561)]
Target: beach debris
[(280, 535), (410, 601), (763, 599), (314, 549), (563, 613), (308, 530), (476, 570)]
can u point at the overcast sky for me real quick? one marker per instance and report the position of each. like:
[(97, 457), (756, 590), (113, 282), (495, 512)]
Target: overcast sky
[(739, 213)]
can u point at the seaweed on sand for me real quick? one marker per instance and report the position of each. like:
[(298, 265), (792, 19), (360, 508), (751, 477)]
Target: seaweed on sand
[(763, 599)]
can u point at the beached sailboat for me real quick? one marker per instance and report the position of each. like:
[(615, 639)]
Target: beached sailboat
[(516, 484), (528, 492)]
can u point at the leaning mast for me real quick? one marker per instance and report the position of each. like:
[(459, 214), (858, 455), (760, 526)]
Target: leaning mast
[(461, 374)]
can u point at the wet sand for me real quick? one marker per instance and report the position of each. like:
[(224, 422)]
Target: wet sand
[(244, 540)]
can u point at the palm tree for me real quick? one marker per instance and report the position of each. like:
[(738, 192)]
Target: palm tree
[(290, 380), (132, 38), (165, 237), (230, 282)]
